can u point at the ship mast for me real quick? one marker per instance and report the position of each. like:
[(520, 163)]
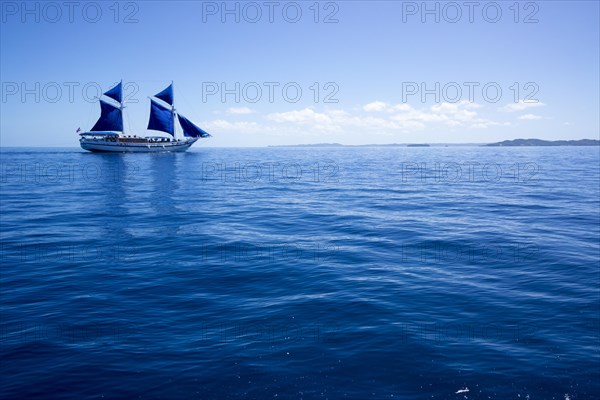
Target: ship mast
[(173, 111), (122, 107)]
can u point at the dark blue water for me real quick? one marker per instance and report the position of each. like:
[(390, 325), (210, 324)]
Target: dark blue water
[(404, 273)]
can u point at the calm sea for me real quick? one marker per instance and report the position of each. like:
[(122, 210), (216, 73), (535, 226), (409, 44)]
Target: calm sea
[(384, 273)]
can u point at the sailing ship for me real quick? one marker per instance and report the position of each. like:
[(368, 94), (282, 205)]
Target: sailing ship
[(108, 134)]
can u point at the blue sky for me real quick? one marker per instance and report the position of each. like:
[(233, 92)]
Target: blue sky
[(370, 61)]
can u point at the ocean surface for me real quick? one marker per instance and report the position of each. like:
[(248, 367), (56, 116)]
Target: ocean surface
[(301, 273)]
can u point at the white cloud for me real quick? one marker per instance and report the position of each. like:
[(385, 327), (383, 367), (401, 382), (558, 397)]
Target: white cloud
[(486, 123), (460, 114), (399, 117), (379, 106), (521, 105), (530, 117), (454, 107), (377, 117), (308, 115), (238, 126), (239, 110), (402, 107), (404, 115), (376, 106), (326, 121)]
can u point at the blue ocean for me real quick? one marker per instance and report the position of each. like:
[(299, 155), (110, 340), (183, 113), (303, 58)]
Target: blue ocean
[(301, 273)]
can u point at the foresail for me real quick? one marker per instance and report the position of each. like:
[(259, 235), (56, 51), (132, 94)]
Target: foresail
[(166, 95), (161, 118), (116, 93), (189, 129), (111, 118)]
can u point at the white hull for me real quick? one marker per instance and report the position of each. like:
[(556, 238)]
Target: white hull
[(116, 147)]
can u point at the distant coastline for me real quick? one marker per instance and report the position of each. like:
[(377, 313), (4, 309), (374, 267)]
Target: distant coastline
[(505, 143), (380, 145), (540, 142)]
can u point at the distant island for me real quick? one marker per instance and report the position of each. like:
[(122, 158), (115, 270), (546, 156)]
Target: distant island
[(310, 145), (540, 142), (506, 143), (377, 145)]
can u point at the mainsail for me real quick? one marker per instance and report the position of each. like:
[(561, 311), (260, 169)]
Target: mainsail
[(111, 117), (161, 118)]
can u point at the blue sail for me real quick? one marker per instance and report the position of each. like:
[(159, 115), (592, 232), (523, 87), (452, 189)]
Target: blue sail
[(161, 118), (189, 129), (111, 118), (116, 93), (166, 95)]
